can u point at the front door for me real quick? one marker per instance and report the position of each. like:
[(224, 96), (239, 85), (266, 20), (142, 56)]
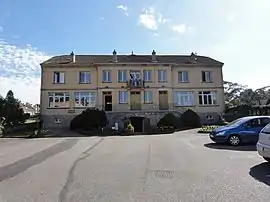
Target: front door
[(163, 100), (107, 98), (135, 100)]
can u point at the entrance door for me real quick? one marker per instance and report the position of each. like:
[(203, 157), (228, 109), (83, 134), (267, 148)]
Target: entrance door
[(137, 123), (135, 100), (163, 100), (107, 98)]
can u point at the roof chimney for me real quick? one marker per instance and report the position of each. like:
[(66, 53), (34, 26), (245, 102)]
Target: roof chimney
[(114, 56), (193, 57), (154, 57), (73, 57)]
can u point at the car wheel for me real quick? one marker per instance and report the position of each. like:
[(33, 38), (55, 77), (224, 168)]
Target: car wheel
[(234, 140), (267, 159)]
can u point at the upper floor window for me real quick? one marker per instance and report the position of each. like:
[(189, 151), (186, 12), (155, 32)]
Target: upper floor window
[(162, 76), (184, 98), (122, 75), (123, 97), (85, 99), (59, 100), (147, 75), (84, 77), (106, 76), (206, 76), (183, 77), (59, 77), (207, 98), (148, 97)]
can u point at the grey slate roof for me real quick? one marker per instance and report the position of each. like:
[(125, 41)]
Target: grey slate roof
[(167, 59)]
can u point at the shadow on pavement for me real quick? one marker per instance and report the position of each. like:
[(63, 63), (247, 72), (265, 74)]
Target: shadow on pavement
[(228, 147), (261, 172)]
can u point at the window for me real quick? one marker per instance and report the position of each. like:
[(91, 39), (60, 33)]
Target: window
[(207, 98), (85, 99), (184, 98), (59, 100), (84, 77), (162, 76), (58, 77), (266, 129), (122, 75), (261, 122), (183, 77), (106, 76), (123, 97), (209, 117), (147, 75), (206, 76), (148, 97)]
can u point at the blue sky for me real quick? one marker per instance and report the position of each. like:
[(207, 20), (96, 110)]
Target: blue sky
[(235, 32)]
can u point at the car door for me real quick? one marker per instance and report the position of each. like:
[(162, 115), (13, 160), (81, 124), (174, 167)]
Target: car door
[(251, 129), (262, 123)]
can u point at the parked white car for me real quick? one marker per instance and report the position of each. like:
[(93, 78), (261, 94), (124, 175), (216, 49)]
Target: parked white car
[(263, 144)]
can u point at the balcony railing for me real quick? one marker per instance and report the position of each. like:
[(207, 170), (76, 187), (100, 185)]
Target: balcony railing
[(135, 84)]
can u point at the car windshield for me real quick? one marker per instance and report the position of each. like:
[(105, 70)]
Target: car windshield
[(237, 122)]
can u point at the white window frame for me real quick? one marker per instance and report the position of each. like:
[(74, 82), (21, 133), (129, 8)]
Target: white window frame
[(183, 98), (148, 97), (86, 77), (183, 77), (61, 79), (147, 75), (85, 99), (211, 95), (207, 76), (123, 97), (59, 100), (122, 76), (108, 76), (162, 76)]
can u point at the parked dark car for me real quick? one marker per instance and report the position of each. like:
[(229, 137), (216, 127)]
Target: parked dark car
[(242, 130)]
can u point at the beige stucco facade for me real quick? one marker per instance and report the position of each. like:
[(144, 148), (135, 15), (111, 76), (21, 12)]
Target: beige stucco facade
[(98, 86)]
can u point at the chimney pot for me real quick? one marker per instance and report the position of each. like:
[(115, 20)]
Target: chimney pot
[(73, 57), (114, 56), (154, 57)]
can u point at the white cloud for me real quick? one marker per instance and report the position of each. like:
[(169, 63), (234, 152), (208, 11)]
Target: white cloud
[(148, 18), (124, 9), (181, 29), (20, 71)]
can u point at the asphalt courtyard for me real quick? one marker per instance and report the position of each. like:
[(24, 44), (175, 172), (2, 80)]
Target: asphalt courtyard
[(184, 166)]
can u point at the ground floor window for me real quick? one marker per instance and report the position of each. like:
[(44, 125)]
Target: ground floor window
[(207, 98), (85, 99), (123, 97), (59, 100), (183, 98)]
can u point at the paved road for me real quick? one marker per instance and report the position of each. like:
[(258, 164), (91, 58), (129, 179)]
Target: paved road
[(184, 166)]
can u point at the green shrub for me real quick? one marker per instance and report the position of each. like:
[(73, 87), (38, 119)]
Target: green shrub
[(191, 119), (169, 120), (89, 119)]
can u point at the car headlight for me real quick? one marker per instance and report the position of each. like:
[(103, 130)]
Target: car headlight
[(220, 133)]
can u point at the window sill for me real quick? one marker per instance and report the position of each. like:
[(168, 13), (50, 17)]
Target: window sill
[(162, 81), (215, 105), (148, 103), (207, 82), (184, 105), (148, 81), (58, 107), (58, 83), (123, 103), (106, 81), (183, 82), (84, 107), (84, 83)]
